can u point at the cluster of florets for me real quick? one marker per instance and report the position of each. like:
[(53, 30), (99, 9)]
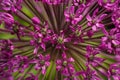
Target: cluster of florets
[(10, 63), (11, 5), (72, 34)]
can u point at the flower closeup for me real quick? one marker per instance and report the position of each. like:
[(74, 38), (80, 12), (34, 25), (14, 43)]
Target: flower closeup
[(59, 39)]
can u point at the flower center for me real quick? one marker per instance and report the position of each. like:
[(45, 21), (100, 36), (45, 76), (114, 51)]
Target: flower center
[(43, 30), (42, 62), (91, 57), (39, 40), (65, 63), (77, 33), (72, 15), (89, 77), (60, 40)]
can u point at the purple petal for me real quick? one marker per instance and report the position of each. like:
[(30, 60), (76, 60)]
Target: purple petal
[(36, 20), (88, 18)]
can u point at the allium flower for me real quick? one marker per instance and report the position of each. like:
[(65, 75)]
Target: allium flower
[(114, 71), (111, 41), (41, 63), (7, 18), (64, 63), (95, 21), (116, 17), (92, 58), (11, 5), (5, 75), (72, 15), (109, 4), (23, 63), (90, 75), (59, 39), (6, 48), (41, 36)]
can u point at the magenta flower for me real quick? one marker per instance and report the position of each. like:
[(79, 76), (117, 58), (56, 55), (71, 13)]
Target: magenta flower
[(109, 4), (5, 75), (114, 71), (66, 67), (111, 41), (40, 36), (41, 63), (116, 17), (18, 63), (59, 39), (77, 35), (72, 16), (89, 74), (7, 18), (11, 5), (6, 48), (95, 21), (92, 58)]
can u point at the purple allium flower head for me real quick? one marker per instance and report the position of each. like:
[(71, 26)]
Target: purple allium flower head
[(59, 39)]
